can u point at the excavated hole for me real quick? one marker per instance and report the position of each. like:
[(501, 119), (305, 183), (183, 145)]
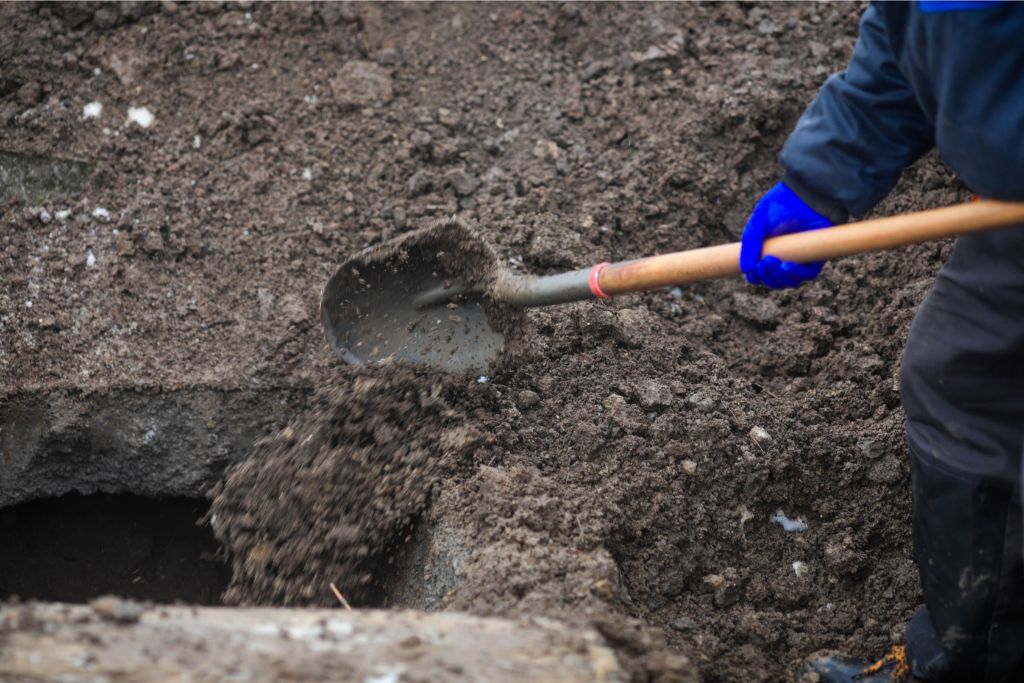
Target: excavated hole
[(73, 548), (164, 451)]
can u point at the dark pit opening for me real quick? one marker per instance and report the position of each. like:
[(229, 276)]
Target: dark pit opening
[(75, 548)]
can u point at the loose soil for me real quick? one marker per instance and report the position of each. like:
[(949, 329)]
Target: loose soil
[(622, 468)]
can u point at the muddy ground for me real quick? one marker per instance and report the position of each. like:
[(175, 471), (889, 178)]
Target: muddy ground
[(622, 471)]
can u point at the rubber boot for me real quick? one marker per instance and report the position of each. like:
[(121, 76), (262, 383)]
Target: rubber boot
[(829, 667), (967, 544)]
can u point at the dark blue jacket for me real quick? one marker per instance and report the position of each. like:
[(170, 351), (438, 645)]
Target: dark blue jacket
[(952, 78)]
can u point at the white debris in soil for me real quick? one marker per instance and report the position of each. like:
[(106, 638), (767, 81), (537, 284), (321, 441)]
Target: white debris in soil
[(92, 110), (28, 304), (148, 437), (387, 677), (45, 217), (197, 142), (482, 379), (101, 214), (141, 116), (307, 174), (788, 524), (800, 568), (96, 71), (760, 436), (689, 467), (62, 215), (90, 259), (745, 514), (310, 99), (676, 292)]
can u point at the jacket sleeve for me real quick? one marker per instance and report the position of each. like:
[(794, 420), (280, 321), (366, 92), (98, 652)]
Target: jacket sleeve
[(862, 129)]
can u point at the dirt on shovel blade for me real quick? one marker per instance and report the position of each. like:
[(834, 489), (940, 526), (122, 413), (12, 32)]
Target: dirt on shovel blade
[(369, 308)]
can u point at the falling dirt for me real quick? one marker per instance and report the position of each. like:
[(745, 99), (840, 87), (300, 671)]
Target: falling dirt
[(626, 464), (326, 498)]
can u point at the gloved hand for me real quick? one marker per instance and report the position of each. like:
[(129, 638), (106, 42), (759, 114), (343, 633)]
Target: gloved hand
[(778, 212)]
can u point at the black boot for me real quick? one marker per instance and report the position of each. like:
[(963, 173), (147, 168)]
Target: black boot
[(967, 543), (830, 667)]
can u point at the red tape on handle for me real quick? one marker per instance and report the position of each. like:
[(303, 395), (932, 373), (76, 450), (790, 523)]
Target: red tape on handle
[(595, 285)]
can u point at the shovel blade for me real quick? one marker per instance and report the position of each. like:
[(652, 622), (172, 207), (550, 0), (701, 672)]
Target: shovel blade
[(370, 313)]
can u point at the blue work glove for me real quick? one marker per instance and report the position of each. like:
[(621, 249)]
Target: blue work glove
[(778, 212)]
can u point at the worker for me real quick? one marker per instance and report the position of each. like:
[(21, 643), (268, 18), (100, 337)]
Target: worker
[(948, 75)]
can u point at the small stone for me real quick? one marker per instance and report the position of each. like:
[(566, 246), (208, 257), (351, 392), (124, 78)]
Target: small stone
[(683, 624), (115, 609), (45, 217), (818, 50), (447, 118), (614, 402), (421, 140), (421, 182), (700, 399), (399, 216), (596, 69), (546, 150), (463, 183), (870, 448), (689, 467), (727, 596), (492, 145), (361, 84), (654, 394), (101, 214), (123, 244), (527, 399), (760, 436), (800, 568), (715, 581), (152, 242)]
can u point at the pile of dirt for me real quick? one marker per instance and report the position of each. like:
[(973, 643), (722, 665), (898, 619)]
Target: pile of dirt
[(640, 460)]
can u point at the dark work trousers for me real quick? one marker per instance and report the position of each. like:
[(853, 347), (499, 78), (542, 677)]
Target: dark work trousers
[(962, 387)]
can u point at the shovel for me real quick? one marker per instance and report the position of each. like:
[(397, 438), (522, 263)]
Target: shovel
[(439, 296)]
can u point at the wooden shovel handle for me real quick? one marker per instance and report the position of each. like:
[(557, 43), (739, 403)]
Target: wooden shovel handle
[(878, 234)]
